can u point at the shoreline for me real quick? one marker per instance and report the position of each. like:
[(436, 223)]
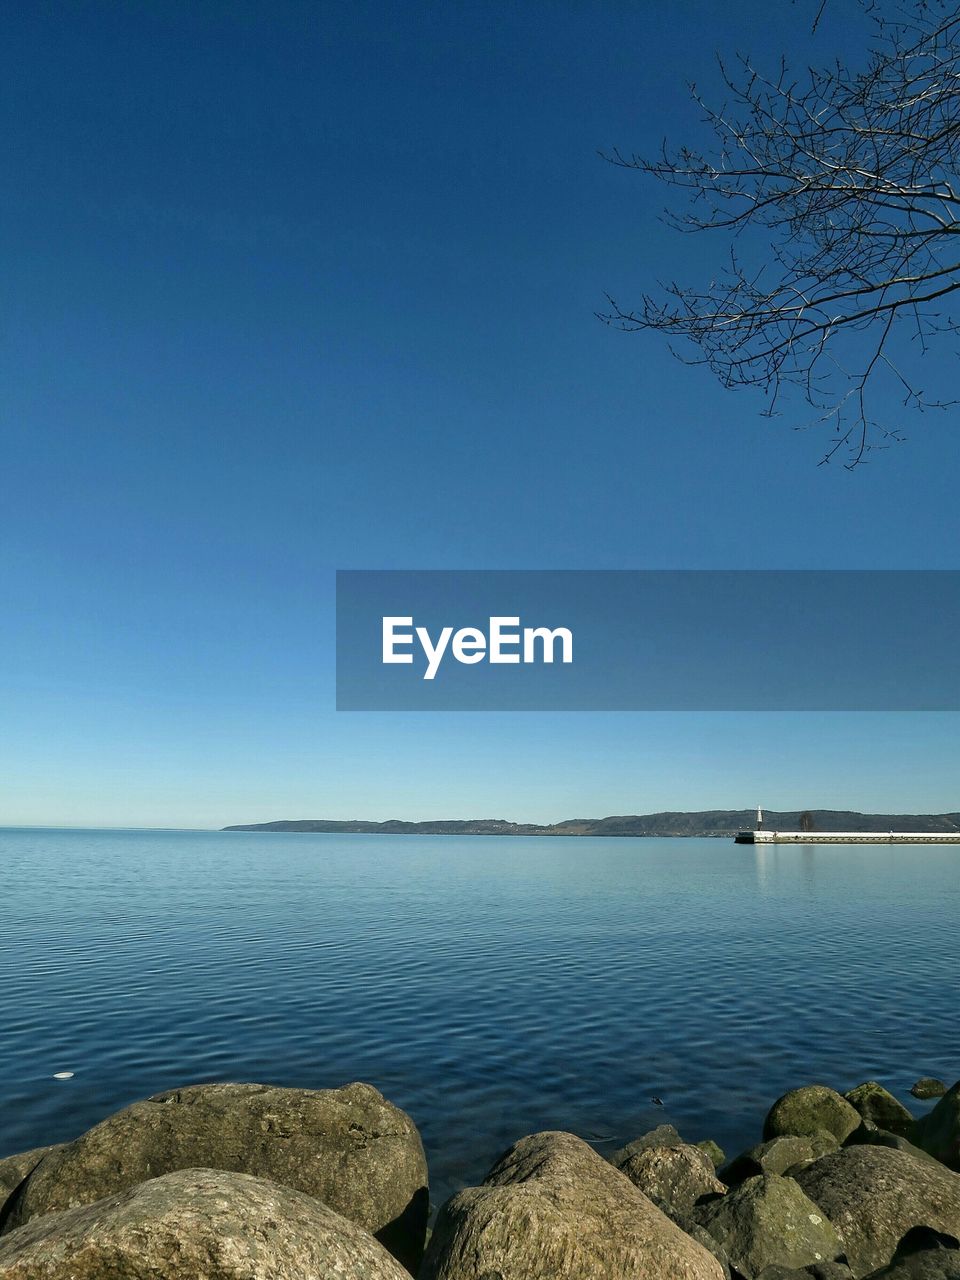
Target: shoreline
[(697, 824), (847, 1186)]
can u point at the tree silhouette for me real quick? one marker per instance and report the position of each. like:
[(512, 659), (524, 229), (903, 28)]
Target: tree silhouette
[(851, 178)]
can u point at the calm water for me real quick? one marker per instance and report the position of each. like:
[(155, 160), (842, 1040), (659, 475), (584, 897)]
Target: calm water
[(491, 987)]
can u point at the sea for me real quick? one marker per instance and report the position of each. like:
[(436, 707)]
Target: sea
[(490, 986)]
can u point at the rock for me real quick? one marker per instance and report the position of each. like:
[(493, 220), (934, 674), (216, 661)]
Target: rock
[(928, 1087), (551, 1207), (676, 1176), (919, 1239), (348, 1147), (693, 1229), (823, 1143), (768, 1221), (822, 1271), (712, 1150), (193, 1223), (803, 1112), (665, 1135), (931, 1264), (869, 1135), (875, 1195), (876, 1104), (938, 1133), (702, 1236), (14, 1169), (775, 1156)]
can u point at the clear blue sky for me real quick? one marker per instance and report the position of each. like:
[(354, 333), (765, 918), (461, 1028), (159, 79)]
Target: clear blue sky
[(293, 287)]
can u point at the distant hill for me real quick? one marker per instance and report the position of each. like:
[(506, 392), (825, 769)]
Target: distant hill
[(709, 822)]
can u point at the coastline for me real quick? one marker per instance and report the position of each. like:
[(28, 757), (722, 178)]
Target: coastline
[(849, 1186), (700, 824)]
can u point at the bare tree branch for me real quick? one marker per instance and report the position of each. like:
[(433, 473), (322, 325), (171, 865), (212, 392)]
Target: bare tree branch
[(852, 178)]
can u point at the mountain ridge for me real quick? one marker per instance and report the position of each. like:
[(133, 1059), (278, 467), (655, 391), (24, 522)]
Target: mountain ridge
[(705, 822)]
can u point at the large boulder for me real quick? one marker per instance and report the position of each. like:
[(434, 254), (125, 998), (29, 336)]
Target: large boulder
[(676, 1176), (939, 1132), (348, 1147), (551, 1207), (192, 1223), (875, 1195), (803, 1112), (878, 1105), (14, 1169), (767, 1221)]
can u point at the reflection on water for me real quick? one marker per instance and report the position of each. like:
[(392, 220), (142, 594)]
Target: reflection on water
[(800, 861), (491, 986), (760, 861)]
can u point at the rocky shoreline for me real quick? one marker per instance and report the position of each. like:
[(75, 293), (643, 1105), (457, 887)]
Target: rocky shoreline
[(257, 1182)]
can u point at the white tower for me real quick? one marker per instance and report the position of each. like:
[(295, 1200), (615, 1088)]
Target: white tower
[(759, 818)]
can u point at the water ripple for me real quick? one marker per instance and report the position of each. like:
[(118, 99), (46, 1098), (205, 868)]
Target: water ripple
[(490, 986)]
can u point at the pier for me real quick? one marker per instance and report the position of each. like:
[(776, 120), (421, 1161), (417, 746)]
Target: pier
[(760, 836), (847, 837)]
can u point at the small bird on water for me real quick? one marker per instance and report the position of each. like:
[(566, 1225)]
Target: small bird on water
[(657, 1102)]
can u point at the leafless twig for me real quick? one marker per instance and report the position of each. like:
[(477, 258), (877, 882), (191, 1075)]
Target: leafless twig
[(852, 177)]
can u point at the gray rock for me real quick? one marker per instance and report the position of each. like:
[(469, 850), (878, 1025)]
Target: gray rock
[(677, 1176), (702, 1236), (877, 1104), (875, 1195), (193, 1223), (819, 1149), (551, 1207), (665, 1135), (768, 1221), (775, 1156), (938, 1133), (823, 1143), (348, 1147), (928, 1087), (693, 1229), (803, 1112), (14, 1169)]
